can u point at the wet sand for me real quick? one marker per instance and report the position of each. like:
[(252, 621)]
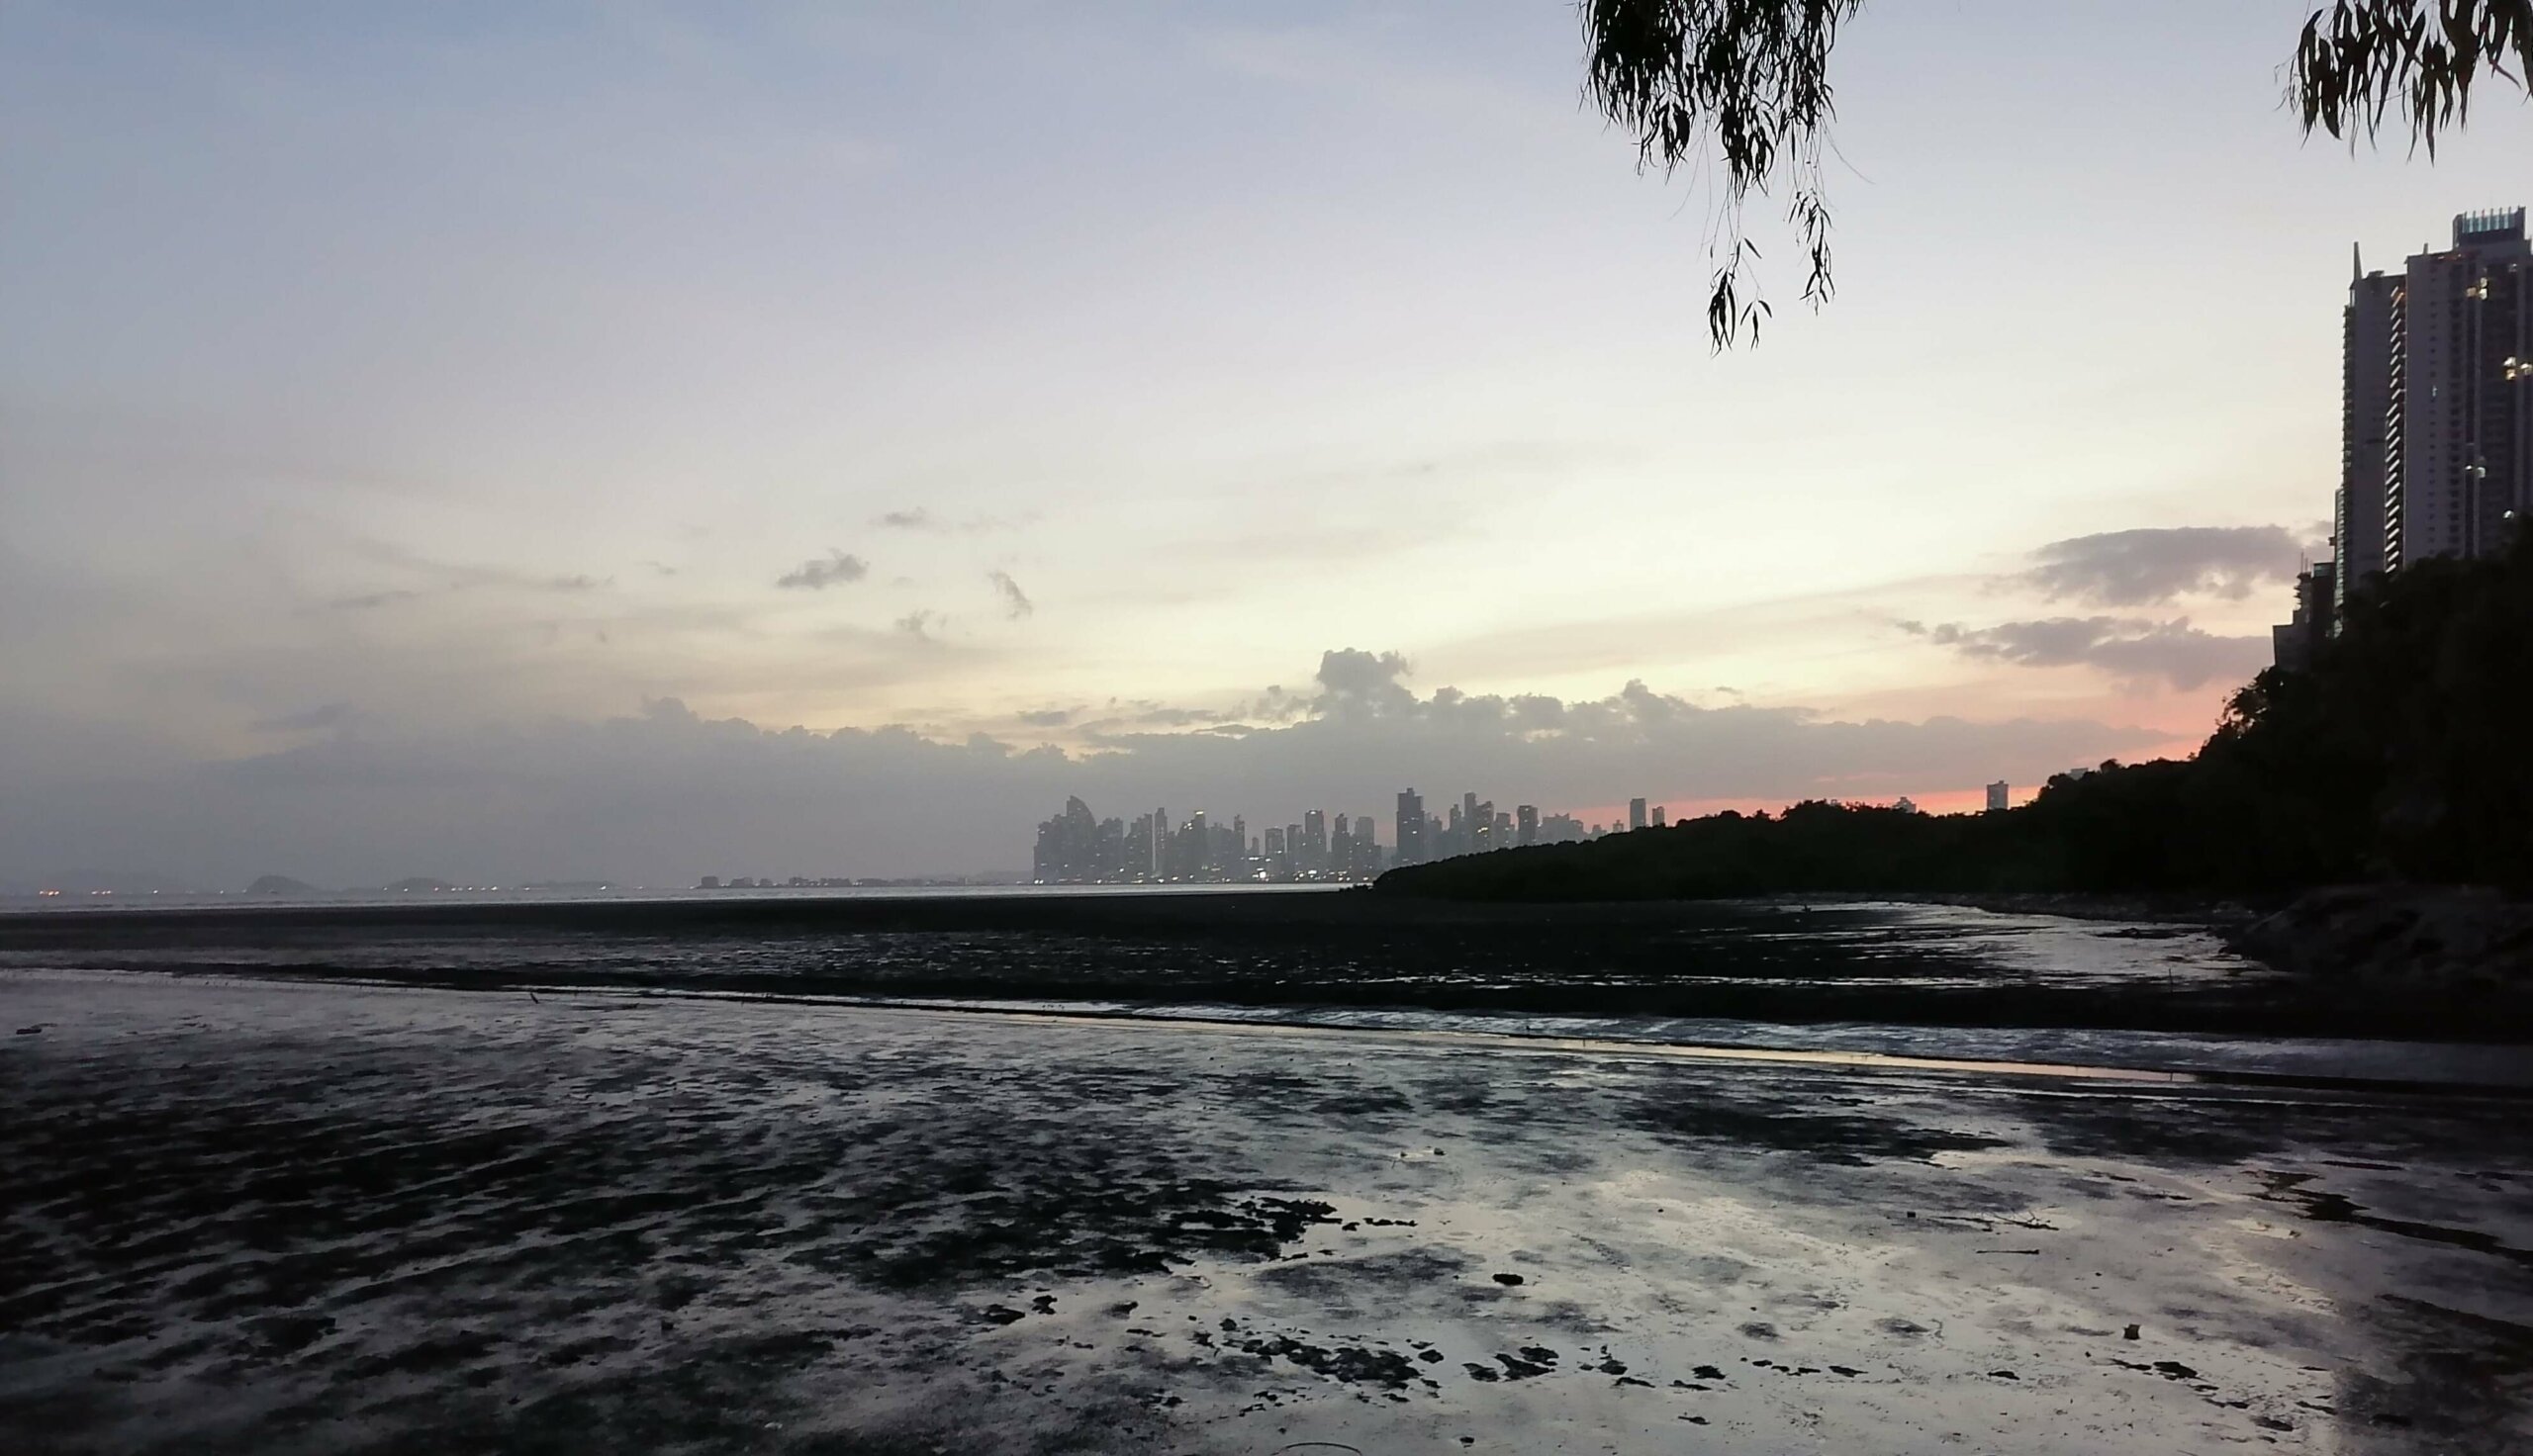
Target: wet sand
[(255, 1216)]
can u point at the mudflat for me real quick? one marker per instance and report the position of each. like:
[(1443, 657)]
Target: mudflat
[(302, 1216), (1786, 962)]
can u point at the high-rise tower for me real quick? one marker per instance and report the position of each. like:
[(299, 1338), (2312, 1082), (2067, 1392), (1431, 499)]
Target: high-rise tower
[(1411, 826), (2437, 402)]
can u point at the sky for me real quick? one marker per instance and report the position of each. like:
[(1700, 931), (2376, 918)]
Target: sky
[(639, 441)]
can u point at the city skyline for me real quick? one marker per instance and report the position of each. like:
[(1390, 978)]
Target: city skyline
[(1080, 847), (525, 442)]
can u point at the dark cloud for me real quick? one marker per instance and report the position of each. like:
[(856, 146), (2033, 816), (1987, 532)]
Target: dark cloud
[(2134, 649), (1353, 681), (1015, 602), (2147, 567), (1048, 717), (917, 519), (819, 573), (918, 624)]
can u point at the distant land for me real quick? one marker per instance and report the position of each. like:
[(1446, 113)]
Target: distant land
[(128, 884), (281, 884)]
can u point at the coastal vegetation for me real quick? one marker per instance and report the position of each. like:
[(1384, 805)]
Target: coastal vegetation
[(2396, 754)]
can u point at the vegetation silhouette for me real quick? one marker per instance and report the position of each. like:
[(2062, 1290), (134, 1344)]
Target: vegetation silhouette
[(2396, 755), (1745, 83)]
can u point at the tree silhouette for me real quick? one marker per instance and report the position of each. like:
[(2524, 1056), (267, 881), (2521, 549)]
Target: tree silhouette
[(1744, 83)]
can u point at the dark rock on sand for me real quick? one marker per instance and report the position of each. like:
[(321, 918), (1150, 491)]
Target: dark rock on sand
[(2431, 938)]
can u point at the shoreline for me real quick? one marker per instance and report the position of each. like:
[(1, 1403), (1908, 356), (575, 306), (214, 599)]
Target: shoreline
[(2158, 965)]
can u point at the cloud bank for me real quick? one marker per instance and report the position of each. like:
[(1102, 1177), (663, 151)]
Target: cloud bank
[(2153, 566), (2132, 650), (663, 795)]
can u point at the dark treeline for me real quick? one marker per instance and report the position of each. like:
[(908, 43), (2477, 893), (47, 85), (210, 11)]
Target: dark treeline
[(2403, 751)]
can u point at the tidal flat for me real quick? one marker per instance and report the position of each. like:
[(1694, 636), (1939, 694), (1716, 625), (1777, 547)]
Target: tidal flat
[(248, 1215)]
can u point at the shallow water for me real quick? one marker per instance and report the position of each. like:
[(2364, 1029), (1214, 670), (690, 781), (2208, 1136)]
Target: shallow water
[(1853, 979)]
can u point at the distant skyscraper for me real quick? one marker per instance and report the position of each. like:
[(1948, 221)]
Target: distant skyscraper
[(1526, 824), (1410, 828), (1635, 813), (1997, 794), (2436, 427), (1661, 816)]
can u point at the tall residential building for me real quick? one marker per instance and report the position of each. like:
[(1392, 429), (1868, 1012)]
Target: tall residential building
[(2365, 403), (1999, 793), (1635, 813), (1411, 828), (2437, 402), (1526, 824)]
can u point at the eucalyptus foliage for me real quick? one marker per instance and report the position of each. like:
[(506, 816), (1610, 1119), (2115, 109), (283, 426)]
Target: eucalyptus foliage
[(1745, 79), (2418, 58), (1744, 85)]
